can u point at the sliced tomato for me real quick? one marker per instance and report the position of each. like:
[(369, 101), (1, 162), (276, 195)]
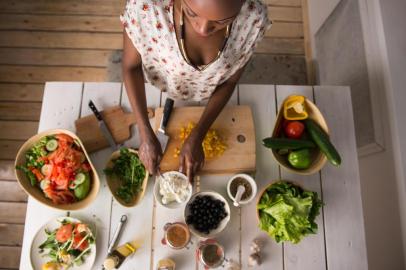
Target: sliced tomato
[(64, 139), (77, 238), (64, 233)]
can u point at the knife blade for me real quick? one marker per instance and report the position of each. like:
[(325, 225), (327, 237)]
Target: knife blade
[(103, 127), (161, 133)]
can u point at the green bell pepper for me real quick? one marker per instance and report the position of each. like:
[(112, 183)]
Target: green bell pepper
[(300, 159)]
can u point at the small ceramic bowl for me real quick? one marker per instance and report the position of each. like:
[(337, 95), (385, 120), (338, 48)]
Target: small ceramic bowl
[(253, 187), (223, 223), (158, 196), (113, 183), (36, 192)]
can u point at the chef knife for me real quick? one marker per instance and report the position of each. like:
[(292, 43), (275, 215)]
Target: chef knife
[(103, 127), (161, 133)]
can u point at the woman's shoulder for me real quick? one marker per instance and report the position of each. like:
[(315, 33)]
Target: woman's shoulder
[(256, 11)]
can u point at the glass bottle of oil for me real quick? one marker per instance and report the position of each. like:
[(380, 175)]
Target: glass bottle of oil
[(116, 258)]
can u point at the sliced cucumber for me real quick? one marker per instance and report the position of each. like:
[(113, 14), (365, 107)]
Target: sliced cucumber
[(45, 170), (51, 145), (44, 184), (83, 189), (79, 178)]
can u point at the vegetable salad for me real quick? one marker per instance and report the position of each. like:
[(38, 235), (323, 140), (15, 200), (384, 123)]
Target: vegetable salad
[(58, 166), (67, 245)]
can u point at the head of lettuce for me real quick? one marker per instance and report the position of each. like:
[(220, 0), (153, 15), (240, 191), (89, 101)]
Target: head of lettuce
[(287, 212)]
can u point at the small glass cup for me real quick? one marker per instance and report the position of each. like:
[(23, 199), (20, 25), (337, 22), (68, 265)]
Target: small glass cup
[(205, 252), (176, 235)]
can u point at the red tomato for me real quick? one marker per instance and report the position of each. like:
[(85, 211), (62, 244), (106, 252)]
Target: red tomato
[(77, 238), (64, 233), (294, 129)]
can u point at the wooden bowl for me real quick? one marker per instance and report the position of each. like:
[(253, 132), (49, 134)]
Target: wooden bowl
[(36, 193), (318, 158), (114, 183)]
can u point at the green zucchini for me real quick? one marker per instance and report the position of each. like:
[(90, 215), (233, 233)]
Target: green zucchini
[(321, 138), (284, 143)]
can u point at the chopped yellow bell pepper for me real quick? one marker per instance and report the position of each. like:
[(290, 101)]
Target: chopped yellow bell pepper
[(294, 108)]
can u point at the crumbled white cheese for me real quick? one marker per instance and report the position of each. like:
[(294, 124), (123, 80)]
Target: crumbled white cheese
[(173, 188)]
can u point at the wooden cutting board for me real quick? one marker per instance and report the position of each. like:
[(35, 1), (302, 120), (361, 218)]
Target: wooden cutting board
[(118, 122), (235, 125)]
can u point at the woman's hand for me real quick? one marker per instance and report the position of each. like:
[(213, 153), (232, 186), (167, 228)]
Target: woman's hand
[(191, 156), (150, 152)]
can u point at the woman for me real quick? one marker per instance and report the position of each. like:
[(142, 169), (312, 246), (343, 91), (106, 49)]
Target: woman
[(193, 50)]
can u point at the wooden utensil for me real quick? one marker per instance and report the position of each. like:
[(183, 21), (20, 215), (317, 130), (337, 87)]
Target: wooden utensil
[(117, 121), (235, 125), (114, 183), (319, 159)]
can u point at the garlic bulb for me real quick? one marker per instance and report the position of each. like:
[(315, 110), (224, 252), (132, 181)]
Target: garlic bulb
[(254, 260), (255, 246)]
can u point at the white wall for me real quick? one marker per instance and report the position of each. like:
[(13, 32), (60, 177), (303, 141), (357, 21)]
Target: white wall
[(319, 10), (393, 44)]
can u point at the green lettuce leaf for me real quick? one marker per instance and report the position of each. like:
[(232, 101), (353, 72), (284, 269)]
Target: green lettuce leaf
[(288, 213)]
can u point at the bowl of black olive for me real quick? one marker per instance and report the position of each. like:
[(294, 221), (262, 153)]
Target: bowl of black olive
[(207, 214)]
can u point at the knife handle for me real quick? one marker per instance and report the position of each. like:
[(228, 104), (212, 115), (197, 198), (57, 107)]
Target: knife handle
[(95, 111), (167, 113)]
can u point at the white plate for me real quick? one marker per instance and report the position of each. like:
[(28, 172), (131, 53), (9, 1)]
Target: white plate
[(158, 196), (38, 259)]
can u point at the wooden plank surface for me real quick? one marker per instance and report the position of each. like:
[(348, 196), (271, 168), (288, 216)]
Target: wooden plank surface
[(285, 46), (53, 116), (285, 14), (104, 7), (55, 40), (261, 98), (9, 148), (143, 232), (7, 170), (9, 257), (12, 212), (11, 234), (344, 223), (27, 111), (310, 252), (54, 57), (285, 30), (17, 130), (12, 192), (21, 92), (40, 74), (76, 23), (292, 3)]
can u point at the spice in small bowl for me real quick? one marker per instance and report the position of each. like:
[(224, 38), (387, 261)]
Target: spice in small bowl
[(249, 185)]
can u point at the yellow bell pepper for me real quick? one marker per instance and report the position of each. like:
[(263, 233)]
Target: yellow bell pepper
[(294, 108)]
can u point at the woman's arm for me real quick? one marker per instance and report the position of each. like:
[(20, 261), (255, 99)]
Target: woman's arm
[(192, 156), (150, 150)]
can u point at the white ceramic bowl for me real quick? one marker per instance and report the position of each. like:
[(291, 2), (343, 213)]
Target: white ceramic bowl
[(158, 196), (222, 224), (253, 186), (37, 259)]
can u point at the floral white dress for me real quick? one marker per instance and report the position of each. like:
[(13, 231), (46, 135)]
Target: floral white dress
[(150, 26)]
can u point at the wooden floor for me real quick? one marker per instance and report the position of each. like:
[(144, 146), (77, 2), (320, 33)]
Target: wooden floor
[(59, 40)]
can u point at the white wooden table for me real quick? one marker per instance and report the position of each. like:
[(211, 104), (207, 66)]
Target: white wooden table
[(339, 244)]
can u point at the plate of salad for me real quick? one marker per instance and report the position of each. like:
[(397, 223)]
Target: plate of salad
[(63, 243), (126, 177), (54, 168)]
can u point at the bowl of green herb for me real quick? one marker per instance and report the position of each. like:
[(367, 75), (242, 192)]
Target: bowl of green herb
[(126, 177)]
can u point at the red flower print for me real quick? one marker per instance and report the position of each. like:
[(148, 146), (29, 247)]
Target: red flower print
[(151, 67), (171, 3), (185, 93), (255, 22), (171, 28), (178, 87), (167, 9), (251, 6), (155, 78), (156, 12), (145, 7), (159, 25), (156, 60), (155, 40), (228, 66), (125, 24), (133, 21), (149, 49), (164, 60), (183, 74)]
